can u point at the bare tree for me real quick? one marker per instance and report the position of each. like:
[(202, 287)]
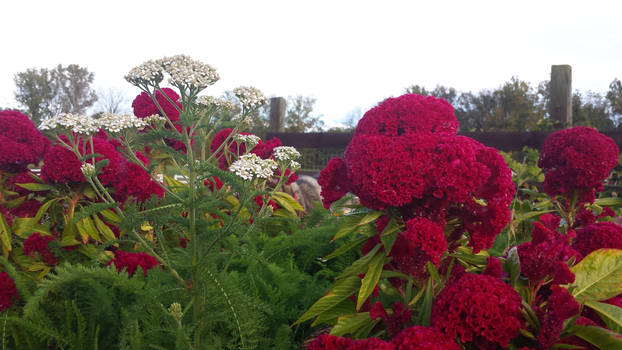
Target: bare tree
[(112, 100)]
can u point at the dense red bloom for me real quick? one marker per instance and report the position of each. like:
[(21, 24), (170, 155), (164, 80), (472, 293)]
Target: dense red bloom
[(144, 106), (28, 209), (596, 236), (560, 306), (371, 344), (135, 182), (394, 323), (291, 177), (264, 150), (493, 267), (131, 262), (20, 142), (330, 342), (61, 165), (407, 114), (578, 158), (334, 181), (213, 181), (423, 338), (548, 248), (35, 243), (479, 309), (422, 241), (585, 216), (8, 291)]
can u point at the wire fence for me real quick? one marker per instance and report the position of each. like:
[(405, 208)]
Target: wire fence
[(313, 160)]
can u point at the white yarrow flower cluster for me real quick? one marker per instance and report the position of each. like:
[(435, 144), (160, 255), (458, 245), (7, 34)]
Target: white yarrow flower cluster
[(287, 155), (88, 170), (186, 71), (115, 123), (215, 101), (250, 166), (249, 97), (249, 140), (150, 71), (154, 118), (79, 124)]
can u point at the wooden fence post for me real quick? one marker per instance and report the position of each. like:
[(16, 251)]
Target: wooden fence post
[(561, 95), (277, 114)]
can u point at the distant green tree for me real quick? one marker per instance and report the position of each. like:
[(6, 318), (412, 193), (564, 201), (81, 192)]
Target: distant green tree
[(299, 116), (42, 92), (591, 109), (614, 95), (34, 92)]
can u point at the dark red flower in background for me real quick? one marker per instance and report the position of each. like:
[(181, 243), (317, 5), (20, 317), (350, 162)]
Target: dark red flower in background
[(330, 342), (596, 236), (423, 241), (334, 181), (20, 142), (560, 306), (394, 323), (36, 243), (578, 158), (131, 262), (478, 309), (144, 106), (423, 338), (8, 291), (371, 344)]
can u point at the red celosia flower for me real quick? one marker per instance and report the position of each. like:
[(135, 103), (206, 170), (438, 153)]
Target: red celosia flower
[(264, 149), (8, 291), (407, 114), (259, 202), (35, 243), (478, 309), (560, 306), (548, 248), (291, 177), (371, 344), (334, 181), (596, 236), (423, 338), (28, 209), (493, 267), (135, 182), (21, 178), (213, 181), (20, 142), (585, 216), (131, 262), (330, 342), (394, 323), (226, 156), (144, 106), (578, 158), (422, 241)]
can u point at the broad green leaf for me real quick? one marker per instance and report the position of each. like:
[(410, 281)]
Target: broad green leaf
[(24, 227), (601, 337), (610, 314), (346, 248), (174, 184), (360, 265), (369, 217), (531, 215), (104, 229), (348, 226), (598, 276), (111, 216), (389, 235), (351, 324), (512, 266), (44, 208), (609, 202), (5, 236), (426, 306), (68, 237), (87, 229), (36, 186), (371, 279), (330, 316), (288, 202), (342, 289)]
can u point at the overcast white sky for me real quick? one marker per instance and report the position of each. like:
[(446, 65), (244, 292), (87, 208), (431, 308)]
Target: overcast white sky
[(346, 54)]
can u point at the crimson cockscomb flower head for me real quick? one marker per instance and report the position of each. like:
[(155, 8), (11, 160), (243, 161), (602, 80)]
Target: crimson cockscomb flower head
[(135, 182), (28, 209), (334, 181), (423, 241), (20, 142), (8, 291), (596, 236), (493, 267), (330, 342), (585, 216), (36, 243), (61, 165), (371, 344), (478, 309), (560, 306), (578, 158), (410, 113), (264, 150), (144, 106), (547, 250), (131, 262), (423, 338)]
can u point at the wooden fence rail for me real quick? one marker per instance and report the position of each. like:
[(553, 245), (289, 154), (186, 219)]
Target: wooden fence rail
[(505, 141)]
